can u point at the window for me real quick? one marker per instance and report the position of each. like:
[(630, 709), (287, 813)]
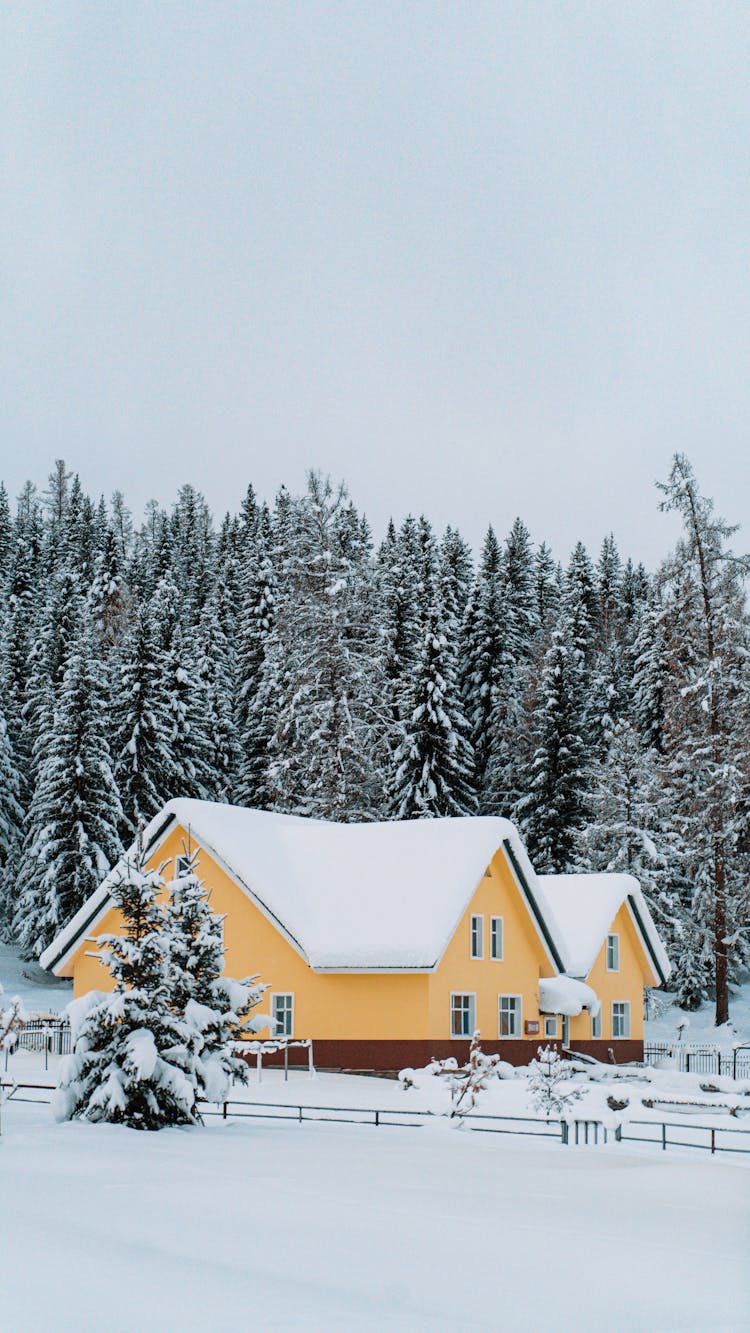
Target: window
[(463, 1010), (613, 953), (282, 1012), (596, 1026), (182, 866), (509, 1015), (496, 938), (550, 1027), (477, 937), (620, 1018), (566, 1030)]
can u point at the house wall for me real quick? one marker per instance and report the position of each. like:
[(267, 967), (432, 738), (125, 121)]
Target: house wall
[(625, 984), (524, 960)]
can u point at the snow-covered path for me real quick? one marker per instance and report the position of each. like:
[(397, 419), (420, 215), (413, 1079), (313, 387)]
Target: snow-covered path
[(282, 1226)]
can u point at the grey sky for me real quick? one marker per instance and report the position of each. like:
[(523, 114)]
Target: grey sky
[(478, 259)]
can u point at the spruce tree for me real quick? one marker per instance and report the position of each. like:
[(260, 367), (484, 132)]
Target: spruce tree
[(211, 1006), (708, 713), (11, 825), (554, 810), (141, 721), (72, 837), (433, 763), (132, 1062)]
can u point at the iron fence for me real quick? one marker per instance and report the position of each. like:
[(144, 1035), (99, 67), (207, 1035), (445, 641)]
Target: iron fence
[(694, 1059), (581, 1132)]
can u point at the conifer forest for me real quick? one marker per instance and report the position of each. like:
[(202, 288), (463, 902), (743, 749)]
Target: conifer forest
[(287, 658)]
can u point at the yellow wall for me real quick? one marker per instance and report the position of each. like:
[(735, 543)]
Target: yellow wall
[(524, 958), (625, 984), (379, 1006)]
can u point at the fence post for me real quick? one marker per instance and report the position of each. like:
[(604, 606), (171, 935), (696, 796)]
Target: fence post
[(563, 1131), (713, 1140), (299, 1108), (224, 1110), (687, 1062), (663, 1136), (377, 1118)]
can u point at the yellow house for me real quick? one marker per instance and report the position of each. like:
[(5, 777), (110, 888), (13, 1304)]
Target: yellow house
[(389, 943)]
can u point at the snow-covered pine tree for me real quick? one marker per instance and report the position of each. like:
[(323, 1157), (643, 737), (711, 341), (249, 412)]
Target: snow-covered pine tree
[(213, 1007), (141, 722), (11, 825), (433, 763), (458, 567), (72, 837), (255, 706), (132, 1062), (180, 686), (547, 585), (554, 809), (327, 752), (485, 651), (708, 714), (216, 673)]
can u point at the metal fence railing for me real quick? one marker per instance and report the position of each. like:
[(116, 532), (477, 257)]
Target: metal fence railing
[(700, 1059), (573, 1132)]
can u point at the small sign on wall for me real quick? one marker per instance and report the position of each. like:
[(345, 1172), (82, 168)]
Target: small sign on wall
[(531, 1027)]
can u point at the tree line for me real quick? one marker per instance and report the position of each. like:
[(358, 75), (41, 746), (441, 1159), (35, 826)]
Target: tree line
[(283, 660)]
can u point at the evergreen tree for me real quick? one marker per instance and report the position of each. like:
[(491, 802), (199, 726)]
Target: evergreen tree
[(71, 837), (327, 750), (708, 713), (433, 762), (554, 810), (132, 1062), (212, 1006), (486, 656), (11, 825), (141, 722)]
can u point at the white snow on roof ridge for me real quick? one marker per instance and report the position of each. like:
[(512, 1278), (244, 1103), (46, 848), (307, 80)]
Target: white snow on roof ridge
[(360, 896)]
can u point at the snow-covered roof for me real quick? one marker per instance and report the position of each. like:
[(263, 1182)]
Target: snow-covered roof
[(385, 896), (567, 995), (585, 906), (348, 896)]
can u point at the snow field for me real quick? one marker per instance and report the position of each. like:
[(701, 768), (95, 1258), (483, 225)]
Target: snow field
[(333, 1227)]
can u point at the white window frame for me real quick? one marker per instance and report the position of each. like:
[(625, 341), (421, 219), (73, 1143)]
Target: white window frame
[(476, 946), (565, 1034), (596, 1026), (472, 1012), (550, 1027), (497, 931), (181, 863), (517, 1011), (613, 953), (288, 1011), (622, 1018)]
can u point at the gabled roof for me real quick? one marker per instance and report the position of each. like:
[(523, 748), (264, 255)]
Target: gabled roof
[(367, 897), (585, 907)]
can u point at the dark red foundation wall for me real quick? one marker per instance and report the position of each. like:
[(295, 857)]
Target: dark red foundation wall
[(391, 1056)]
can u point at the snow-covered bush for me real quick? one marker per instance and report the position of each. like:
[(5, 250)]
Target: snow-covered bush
[(548, 1077), (468, 1081)]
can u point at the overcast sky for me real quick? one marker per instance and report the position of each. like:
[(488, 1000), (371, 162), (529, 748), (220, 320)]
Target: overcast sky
[(477, 259)]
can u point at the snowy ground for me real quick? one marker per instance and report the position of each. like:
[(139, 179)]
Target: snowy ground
[(327, 1227), (40, 991)]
